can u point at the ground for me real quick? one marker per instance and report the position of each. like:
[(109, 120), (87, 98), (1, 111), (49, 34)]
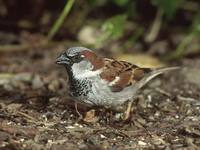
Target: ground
[(35, 112)]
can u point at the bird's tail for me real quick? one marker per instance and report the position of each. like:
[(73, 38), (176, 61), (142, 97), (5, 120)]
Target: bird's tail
[(155, 72)]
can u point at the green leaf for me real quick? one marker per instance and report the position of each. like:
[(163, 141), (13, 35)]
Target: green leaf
[(112, 29), (168, 6), (114, 26)]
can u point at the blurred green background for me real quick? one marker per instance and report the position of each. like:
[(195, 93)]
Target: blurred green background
[(169, 29)]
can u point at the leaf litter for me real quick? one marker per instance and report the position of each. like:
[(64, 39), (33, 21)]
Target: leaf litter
[(36, 113)]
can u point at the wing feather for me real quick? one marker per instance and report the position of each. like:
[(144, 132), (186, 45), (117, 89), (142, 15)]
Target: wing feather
[(121, 74)]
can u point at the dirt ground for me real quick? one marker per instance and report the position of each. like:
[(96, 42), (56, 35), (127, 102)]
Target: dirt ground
[(35, 112)]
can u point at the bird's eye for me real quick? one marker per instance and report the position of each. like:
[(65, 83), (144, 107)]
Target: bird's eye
[(82, 56)]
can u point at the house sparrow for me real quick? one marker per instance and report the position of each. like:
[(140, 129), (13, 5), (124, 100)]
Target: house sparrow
[(99, 81)]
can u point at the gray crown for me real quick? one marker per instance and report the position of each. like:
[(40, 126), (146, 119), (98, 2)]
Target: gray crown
[(74, 50)]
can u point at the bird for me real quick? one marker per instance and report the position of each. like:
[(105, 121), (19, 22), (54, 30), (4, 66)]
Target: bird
[(104, 82)]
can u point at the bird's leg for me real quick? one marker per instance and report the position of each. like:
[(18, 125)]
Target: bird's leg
[(128, 110), (79, 114)]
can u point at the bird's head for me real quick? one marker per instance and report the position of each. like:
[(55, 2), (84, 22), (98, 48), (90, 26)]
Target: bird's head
[(81, 61)]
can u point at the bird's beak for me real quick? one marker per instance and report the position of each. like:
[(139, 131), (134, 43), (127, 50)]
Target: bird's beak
[(62, 60)]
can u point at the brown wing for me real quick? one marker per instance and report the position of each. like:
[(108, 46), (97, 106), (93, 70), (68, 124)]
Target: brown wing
[(121, 74)]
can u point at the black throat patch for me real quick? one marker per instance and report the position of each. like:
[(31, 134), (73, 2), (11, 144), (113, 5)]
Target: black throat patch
[(78, 88)]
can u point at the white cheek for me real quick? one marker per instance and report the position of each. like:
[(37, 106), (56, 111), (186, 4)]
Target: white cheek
[(88, 74), (84, 70)]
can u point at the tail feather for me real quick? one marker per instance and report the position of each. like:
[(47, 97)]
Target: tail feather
[(154, 73)]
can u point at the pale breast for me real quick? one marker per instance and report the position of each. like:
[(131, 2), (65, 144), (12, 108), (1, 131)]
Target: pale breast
[(102, 95), (97, 92)]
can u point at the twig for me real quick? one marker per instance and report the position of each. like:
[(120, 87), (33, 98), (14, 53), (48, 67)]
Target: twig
[(163, 92), (36, 121), (190, 142), (188, 99), (27, 116), (6, 75), (60, 20), (128, 110), (25, 47), (151, 36), (11, 48)]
